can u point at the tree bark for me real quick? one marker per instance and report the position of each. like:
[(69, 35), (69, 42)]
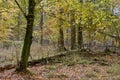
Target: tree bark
[(41, 27), (73, 30), (80, 37), (28, 37), (80, 31), (41, 23), (61, 36)]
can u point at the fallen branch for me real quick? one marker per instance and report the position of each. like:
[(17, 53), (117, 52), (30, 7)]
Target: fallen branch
[(7, 67), (38, 61), (50, 59)]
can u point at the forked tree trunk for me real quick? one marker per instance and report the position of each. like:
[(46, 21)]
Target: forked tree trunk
[(28, 37)]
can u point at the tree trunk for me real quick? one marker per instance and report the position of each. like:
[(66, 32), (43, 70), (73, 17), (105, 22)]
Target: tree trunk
[(80, 37), (61, 36), (73, 30), (28, 37), (18, 26), (41, 27)]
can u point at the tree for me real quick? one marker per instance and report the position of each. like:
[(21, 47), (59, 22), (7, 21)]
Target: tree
[(41, 22), (61, 36), (60, 27), (28, 37), (80, 31), (41, 27), (57, 12), (73, 29)]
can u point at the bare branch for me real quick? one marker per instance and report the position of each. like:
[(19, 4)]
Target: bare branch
[(21, 9)]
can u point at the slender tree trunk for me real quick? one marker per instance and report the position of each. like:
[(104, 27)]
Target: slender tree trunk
[(80, 37), (41, 24), (18, 26), (41, 27), (73, 30), (80, 31), (28, 37), (61, 36), (68, 38)]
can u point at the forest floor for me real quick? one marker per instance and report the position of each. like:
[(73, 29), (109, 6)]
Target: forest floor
[(74, 66)]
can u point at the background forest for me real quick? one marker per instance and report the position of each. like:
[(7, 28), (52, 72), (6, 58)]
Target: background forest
[(84, 32)]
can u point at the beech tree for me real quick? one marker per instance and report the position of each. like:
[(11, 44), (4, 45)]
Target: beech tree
[(28, 37)]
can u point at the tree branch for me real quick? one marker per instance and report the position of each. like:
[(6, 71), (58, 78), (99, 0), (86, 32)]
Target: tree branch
[(112, 36), (3, 11), (21, 9)]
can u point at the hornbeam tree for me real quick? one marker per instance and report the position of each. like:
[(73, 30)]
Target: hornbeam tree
[(22, 67)]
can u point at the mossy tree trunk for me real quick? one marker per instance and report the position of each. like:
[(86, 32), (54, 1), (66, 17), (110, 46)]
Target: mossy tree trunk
[(28, 37)]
